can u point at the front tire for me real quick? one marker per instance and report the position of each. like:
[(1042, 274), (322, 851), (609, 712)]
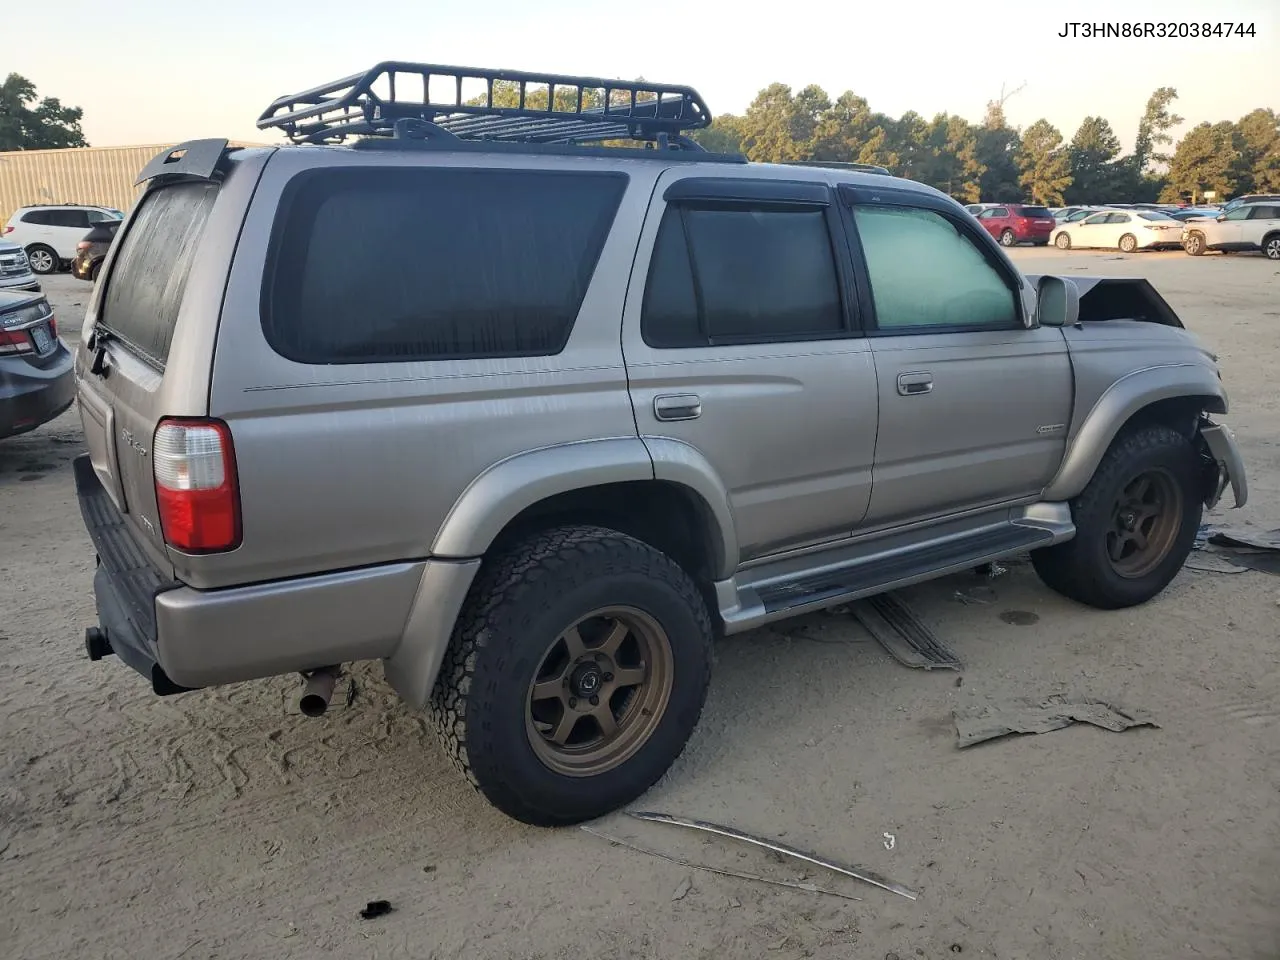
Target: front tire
[(1136, 522), (1194, 244), (576, 673), (1007, 238), (1063, 241), (1128, 243), (44, 260)]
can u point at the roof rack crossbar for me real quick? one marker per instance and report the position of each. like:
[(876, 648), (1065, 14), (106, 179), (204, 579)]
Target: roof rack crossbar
[(370, 103)]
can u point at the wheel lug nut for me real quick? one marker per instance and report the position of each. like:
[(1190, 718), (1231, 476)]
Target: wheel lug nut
[(573, 702), (595, 701), (608, 678)]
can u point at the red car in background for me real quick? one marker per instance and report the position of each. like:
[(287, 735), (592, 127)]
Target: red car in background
[(1014, 223)]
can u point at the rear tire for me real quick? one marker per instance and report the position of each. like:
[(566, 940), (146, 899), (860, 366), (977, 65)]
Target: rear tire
[(1007, 238), (44, 260), (1136, 522), (1271, 246), (1194, 244), (1063, 241), (536, 638), (1128, 243)]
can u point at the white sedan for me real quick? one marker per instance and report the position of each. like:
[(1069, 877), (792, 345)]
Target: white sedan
[(1128, 230)]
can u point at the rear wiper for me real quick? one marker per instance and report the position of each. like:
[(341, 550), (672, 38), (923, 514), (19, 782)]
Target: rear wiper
[(97, 343)]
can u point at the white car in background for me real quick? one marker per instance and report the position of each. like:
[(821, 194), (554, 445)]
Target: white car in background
[(49, 232), (1254, 226), (1126, 230)]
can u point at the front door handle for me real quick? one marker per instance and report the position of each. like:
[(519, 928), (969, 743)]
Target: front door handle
[(914, 384), (677, 406)]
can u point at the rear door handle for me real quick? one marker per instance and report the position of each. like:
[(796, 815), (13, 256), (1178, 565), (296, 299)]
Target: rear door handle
[(677, 406), (914, 384)]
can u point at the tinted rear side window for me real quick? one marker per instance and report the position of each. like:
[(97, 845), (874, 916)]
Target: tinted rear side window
[(377, 265), (149, 277), (726, 276)]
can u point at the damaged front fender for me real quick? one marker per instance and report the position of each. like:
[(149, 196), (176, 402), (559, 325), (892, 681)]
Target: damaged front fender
[(1220, 446)]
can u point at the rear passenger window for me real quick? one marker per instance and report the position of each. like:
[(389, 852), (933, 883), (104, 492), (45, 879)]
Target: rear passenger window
[(926, 273), (377, 265), (737, 275), (149, 276)]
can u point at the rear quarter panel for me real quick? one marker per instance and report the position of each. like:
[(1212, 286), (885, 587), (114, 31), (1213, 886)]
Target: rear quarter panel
[(352, 464)]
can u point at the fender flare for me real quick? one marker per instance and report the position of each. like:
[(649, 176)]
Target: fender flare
[(499, 494), (1118, 403)]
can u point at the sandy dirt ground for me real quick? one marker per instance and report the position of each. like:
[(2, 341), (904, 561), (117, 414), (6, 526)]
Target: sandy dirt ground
[(223, 824)]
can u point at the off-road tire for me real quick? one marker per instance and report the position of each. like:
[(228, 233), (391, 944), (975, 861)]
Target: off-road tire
[(1128, 243), (1194, 244), (1008, 238), (45, 257), (1080, 569), (1063, 241), (1271, 246), (522, 599)]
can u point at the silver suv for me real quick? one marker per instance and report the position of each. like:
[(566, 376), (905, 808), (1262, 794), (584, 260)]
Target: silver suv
[(532, 421)]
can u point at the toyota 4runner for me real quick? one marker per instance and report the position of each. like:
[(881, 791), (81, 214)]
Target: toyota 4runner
[(532, 417)]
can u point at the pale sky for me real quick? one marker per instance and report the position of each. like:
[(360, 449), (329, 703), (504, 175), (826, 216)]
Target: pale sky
[(152, 71)]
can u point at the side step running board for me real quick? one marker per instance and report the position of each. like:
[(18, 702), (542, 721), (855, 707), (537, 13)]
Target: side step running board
[(880, 574)]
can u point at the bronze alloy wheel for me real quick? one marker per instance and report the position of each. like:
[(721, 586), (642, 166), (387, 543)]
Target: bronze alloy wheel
[(600, 691), (1144, 523)]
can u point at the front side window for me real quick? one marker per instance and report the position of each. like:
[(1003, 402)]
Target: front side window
[(1097, 218), (1239, 213), (732, 274), (926, 273), (370, 265)]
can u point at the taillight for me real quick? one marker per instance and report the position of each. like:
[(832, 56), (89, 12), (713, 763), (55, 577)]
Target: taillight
[(15, 341), (8, 228), (196, 489)]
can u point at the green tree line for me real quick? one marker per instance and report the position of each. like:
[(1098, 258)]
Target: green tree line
[(28, 122), (997, 162)]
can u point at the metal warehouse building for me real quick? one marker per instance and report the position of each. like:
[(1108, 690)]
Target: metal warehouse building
[(94, 175)]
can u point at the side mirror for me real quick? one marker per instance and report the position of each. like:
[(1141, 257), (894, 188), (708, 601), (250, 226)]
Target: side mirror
[(1221, 217), (1057, 303)]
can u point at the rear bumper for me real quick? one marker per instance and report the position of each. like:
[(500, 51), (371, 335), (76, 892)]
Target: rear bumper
[(183, 638), (30, 395)]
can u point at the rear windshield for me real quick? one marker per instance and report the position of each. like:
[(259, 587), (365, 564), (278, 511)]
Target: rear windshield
[(374, 265), (1036, 213), (147, 281), (1154, 215)]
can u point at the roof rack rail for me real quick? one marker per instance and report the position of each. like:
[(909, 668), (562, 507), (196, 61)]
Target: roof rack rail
[(398, 99), (840, 165)]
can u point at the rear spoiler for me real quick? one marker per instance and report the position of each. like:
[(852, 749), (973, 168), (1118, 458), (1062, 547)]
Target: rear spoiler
[(195, 160), (1120, 298)]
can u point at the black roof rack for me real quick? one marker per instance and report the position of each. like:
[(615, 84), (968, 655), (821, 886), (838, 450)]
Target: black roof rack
[(402, 100), (840, 165)]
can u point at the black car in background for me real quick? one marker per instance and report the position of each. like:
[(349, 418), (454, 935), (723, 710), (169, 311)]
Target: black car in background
[(92, 250), (37, 372)]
